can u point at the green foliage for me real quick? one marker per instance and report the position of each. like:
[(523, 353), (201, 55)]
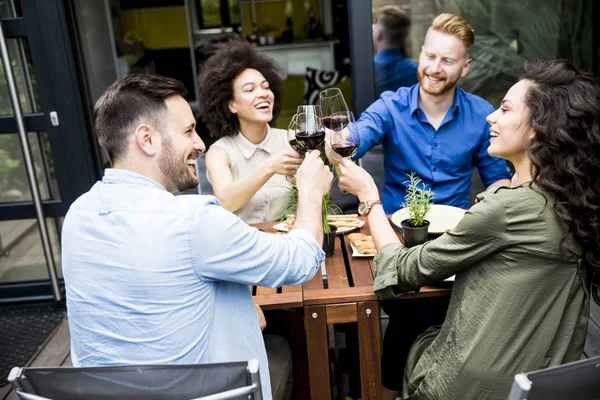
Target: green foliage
[(327, 206), (417, 200), (496, 67)]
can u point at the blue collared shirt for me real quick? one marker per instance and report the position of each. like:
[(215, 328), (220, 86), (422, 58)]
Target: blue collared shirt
[(153, 278), (393, 70), (444, 159)]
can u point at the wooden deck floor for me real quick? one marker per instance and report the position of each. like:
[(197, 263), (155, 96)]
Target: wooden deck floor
[(56, 351)]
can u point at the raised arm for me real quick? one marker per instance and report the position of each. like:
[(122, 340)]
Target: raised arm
[(373, 124), (234, 194), (482, 232), (227, 249), (314, 181), (357, 181)]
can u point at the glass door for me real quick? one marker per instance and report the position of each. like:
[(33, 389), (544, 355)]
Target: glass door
[(43, 63)]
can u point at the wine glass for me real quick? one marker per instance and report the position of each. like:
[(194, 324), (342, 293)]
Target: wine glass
[(310, 110), (332, 101), (345, 137), (296, 146), (310, 132)]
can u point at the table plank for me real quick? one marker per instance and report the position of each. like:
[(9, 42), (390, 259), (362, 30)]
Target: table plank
[(341, 313), (369, 349), (316, 282), (261, 290), (279, 301), (287, 289), (360, 267), (336, 267), (315, 325), (341, 295)]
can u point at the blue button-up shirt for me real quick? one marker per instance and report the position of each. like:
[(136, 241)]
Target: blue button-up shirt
[(393, 70), (153, 278), (444, 159)]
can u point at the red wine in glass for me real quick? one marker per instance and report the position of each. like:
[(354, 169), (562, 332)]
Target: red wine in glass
[(298, 147), (335, 122), (310, 141), (345, 149)]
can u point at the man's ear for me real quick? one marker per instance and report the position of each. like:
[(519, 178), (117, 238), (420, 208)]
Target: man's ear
[(465, 68), (146, 139)]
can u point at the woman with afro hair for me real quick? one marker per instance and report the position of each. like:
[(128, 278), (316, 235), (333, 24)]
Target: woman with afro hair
[(241, 92)]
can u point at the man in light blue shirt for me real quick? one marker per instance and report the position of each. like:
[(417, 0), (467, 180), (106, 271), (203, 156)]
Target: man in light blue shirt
[(434, 128), (157, 278)]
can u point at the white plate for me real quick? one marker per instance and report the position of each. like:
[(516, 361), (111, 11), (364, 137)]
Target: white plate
[(283, 228), (440, 217), (356, 253)]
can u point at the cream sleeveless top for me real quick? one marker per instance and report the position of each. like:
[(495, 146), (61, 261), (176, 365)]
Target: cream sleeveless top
[(269, 202)]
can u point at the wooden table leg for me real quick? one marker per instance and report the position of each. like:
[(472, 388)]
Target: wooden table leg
[(315, 323), (369, 347)]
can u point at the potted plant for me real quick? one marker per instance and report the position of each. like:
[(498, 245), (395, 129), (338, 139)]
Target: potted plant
[(327, 207), (329, 230), (418, 203)]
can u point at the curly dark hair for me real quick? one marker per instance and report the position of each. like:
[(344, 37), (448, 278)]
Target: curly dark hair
[(216, 84), (564, 114)]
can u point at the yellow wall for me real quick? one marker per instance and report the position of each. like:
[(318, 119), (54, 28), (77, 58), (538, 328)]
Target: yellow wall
[(274, 13), (157, 27)]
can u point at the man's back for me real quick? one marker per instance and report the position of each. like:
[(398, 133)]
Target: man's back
[(156, 278), (119, 254), (393, 70)]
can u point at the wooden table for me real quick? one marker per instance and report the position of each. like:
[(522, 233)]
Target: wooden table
[(348, 297)]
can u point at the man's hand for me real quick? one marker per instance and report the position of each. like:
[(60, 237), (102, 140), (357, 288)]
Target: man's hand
[(313, 177), (357, 181), (285, 162), (261, 317)]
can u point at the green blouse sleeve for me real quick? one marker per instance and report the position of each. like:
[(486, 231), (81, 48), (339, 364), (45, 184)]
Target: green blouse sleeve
[(482, 231)]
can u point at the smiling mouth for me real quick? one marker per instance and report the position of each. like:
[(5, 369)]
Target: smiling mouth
[(434, 80), (191, 163), (263, 106)]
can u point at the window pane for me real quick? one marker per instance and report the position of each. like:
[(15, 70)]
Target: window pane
[(211, 12), (14, 184), (25, 80), (21, 252), (506, 34), (10, 9), (234, 11)]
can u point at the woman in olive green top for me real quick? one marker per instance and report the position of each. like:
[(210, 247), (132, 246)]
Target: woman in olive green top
[(525, 257)]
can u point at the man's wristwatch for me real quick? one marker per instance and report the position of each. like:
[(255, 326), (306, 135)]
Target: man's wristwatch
[(364, 207)]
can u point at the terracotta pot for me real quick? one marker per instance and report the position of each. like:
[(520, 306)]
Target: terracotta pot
[(414, 235), (329, 241)]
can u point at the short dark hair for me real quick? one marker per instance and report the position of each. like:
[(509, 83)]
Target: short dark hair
[(564, 115), (216, 84), (396, 26), (126, 103)]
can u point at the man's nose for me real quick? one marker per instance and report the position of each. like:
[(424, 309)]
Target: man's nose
[(199, 144), (436, 64)]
